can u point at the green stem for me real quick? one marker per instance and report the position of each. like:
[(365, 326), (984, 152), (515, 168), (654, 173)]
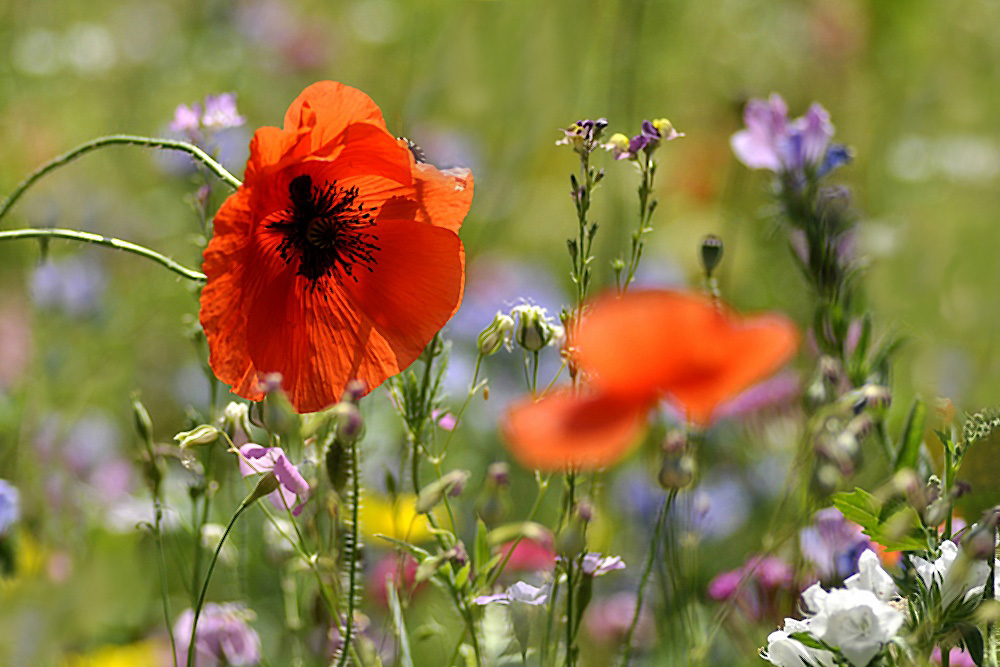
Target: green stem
[(158, 509), (352, 554), (109, 242), (570, 584), (192, 646), (126, 139), (661, 519), (543, 485)]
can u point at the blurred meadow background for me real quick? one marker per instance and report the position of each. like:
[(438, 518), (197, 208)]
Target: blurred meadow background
[(913, 88)]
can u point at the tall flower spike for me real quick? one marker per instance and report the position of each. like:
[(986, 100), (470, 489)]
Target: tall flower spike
[(637, 349), (337, 259)]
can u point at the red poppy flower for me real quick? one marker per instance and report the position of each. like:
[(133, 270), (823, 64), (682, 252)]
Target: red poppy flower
[(638, 349), (338, 258)]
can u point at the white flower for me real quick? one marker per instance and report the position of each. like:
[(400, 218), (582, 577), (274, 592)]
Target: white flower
[(871, 577), (957, 575), (854, 621), (784, 651)]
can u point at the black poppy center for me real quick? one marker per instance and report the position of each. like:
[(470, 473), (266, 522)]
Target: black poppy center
[(326, 229)]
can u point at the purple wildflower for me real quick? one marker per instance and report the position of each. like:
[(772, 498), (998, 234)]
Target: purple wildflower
[(763, 579), (771, 141), (255, 459), (608, 620), (73, 285), (833, 545), (187, 121), (583, 135), (220, 112), (596, 565), (777, 392), (10, 506), (223, 636)]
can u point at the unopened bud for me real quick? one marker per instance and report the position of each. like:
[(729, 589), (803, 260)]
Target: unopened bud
[(336, 464), (936, 513), (205, 434), (534, 330), (270, 382), (711, 253), (451, 483), (355, 391), (585, 511), (348, 419), (980, 543), (236, 416), (498, 473), (265, 485), (495, 335), (143, 424), (677, 471)]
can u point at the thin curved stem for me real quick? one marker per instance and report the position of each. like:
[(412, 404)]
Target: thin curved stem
[(192, 647), (107, 241), (126, 139), (661, 519)]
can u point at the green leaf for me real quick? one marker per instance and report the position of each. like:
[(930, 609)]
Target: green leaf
[(405, 659), (913, 434), (900, 530), (481, 550), (463, 575), (973, 640), (418, 553)]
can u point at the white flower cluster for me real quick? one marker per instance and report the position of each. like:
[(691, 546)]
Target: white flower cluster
[(957, 575), (857, 620)]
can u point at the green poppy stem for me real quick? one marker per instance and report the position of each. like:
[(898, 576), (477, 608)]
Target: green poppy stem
[(109, 242), (117, 139)]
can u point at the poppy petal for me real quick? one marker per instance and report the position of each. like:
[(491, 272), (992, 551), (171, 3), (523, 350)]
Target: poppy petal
[(415, 287), (223, 300), (327, 108), (685, 345), (564, 430), (440, 198)]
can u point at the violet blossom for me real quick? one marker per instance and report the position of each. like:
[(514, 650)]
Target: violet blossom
[(596, 565), (519, 592), (10, 505), (772, 141), (833, 545), (223, 636), (220, 112), (293, 487)]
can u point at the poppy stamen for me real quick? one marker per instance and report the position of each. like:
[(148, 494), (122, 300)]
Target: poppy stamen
[(326, 230)]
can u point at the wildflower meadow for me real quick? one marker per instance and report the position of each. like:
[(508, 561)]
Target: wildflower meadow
[(484, 333)]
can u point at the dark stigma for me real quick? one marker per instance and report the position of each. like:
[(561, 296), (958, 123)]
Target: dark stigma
[(326, 230)]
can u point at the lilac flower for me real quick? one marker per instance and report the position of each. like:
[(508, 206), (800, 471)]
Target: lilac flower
[(10, 506), (220, 112), (833, 544), (648, 139), (759, 597), (771, 141), (444, 419), (777, 392), (519, 592), (255, 459), (595, 565), (223, 636), (187, 121), (608, 620)]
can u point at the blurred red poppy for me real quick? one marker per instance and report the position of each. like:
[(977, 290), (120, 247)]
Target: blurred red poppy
[(337, 259), (638, 349)]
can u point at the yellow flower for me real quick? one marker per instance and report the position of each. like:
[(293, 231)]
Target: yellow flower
[(399, 520), (139, 654)]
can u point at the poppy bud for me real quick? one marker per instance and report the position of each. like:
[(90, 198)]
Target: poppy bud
[(711, 253), (354, 391), (677, 471), (205, 434), (336, 464), (451, 483), (498, 473), (495, 335), (572, 539), (348, 419)]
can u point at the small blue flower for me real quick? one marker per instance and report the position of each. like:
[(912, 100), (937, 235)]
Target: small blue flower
[(10, 506)]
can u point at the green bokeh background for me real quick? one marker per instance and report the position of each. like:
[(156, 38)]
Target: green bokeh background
[(912, 87)]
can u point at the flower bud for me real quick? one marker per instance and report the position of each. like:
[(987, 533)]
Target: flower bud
[(677, 471), (348, 419), (936, 513), (336, 464), (981, 541), (236, 415), (205, 434), (451, 483), (534, 328), (495, 335), (498, 474), (711, 253), (265, 485), (143, 424), (355, 391)]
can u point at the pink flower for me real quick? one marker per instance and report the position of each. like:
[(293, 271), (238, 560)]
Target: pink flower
[(255, 459)]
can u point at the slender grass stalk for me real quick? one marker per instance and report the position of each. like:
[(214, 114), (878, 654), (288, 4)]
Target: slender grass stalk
[(106, 241), (661, 520), (192, 647), (118, 139), (158, 518)]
